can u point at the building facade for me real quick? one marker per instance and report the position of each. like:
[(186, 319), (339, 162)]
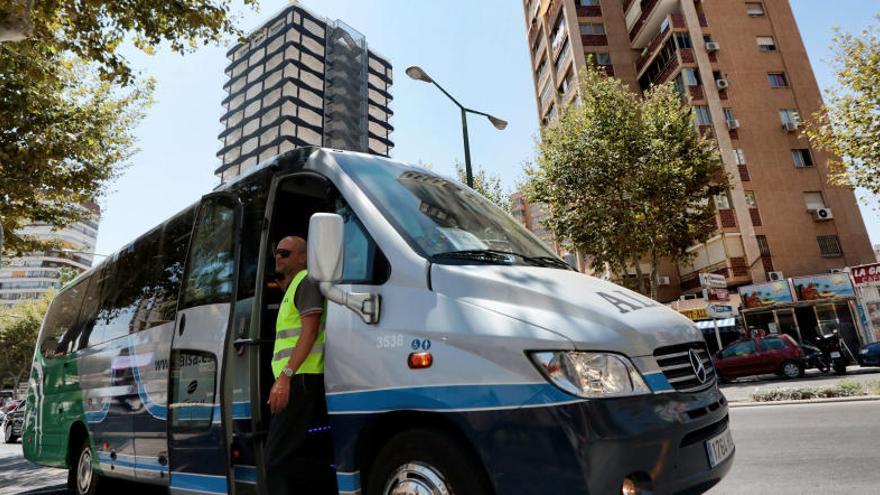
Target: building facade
[(31, 276), (744, 69), (303, 80)]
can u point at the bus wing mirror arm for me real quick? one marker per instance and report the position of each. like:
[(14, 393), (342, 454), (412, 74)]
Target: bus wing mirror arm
[(367, 306)]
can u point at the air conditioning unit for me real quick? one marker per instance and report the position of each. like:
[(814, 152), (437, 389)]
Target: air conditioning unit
[(775, 276), (822, 214), (732, 124), (662, 280), (790, 126), (712, 46), (722, 83)]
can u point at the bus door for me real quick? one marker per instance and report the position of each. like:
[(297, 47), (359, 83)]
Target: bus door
[(198, 406)]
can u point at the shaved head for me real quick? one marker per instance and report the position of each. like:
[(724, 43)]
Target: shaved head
[(290, 256)]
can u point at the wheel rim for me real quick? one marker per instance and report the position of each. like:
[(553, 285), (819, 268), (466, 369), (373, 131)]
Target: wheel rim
[(84, 471), (417, 478), (791, 369)]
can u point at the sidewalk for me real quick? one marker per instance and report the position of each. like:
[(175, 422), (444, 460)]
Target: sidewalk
[(742, 389)]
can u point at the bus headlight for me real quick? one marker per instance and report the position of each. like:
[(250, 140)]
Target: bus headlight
[(591, 375)]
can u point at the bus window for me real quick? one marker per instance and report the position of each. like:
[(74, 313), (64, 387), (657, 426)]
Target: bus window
[(211, 264), (193, 384), (60, 329), (88, 337)]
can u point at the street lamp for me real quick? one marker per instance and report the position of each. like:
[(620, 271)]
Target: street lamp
[(417, 73)]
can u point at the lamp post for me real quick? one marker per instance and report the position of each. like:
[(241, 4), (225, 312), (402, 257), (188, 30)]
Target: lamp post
[(417, 73)]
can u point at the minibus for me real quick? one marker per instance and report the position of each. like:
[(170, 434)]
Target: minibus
[(462, 355)]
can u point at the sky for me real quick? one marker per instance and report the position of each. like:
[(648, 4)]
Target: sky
[(477, 50)]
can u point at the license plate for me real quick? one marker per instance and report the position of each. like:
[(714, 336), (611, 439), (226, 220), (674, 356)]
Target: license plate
[(835, 354), (719, 447)]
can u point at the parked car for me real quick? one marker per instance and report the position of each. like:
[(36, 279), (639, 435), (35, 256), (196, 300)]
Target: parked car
[(12, 423), (869, 355), (758, 356)]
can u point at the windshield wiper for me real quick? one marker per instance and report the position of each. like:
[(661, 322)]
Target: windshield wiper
[(499, 255)]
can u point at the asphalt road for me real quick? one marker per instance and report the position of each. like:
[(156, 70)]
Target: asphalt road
[(804, 449), (17, 475)]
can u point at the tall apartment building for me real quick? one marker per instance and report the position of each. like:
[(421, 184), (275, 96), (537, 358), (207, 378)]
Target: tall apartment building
[(303, 80), (30, 276), (744, 69)]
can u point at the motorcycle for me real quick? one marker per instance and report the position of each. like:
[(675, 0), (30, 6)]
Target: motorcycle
[(815, 358), (832, 348)]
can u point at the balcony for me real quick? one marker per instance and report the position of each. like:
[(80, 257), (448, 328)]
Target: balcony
[(722, 254), (588, 10), (594, 39), (673, 22), (643, 19)]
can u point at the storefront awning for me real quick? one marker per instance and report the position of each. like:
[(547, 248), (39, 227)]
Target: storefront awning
[(726, 322)]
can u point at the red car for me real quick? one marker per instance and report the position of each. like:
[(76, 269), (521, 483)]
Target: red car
[(759, 356)]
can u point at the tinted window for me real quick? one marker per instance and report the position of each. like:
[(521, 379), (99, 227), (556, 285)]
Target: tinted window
[(212, 260), (740, 349), (363, 262), (167, 269), (91, 333), (772, 344), (59, 328)]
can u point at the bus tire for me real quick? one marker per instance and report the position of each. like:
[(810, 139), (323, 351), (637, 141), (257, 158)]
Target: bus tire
[(81, 476), (426, 461)]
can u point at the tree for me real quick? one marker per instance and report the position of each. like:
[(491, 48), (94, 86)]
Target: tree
[(849, 125), (69, 99), (19, 328), (487, 185), (626, 176)]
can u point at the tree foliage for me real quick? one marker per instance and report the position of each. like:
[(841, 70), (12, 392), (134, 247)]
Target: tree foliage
[(626, 176), (489, 185), (19, 328), (69, 99), (849, 125)]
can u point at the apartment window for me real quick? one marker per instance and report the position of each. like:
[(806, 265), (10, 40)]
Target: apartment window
[(562, 56), (728, 114), (802, 158), (777, 80), (542, 67), (567, 82), (763, 246), (829, 245), (537, 43), (789, 116), (277, 27), (755, 9), (766, 43), (722, 202), (691, 77), (813, 200), (592, 28), (558, 32), (751, 202), (740, 156), (703, 115), (683, 40), (599, 58)]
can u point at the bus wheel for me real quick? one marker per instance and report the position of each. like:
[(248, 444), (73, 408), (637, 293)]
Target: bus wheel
[(81, 478), (425, 462)]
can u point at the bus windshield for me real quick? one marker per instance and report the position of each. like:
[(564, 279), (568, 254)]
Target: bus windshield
[(446, 222)]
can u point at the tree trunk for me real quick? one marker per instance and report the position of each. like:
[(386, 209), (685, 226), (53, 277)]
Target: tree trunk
[(654, 263), (642, 289)]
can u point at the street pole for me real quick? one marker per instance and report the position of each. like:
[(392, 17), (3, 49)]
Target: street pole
[(467, 149), (417, 73)]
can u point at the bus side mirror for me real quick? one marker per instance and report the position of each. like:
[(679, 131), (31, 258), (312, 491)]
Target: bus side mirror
[(325, 263), (325, 247)]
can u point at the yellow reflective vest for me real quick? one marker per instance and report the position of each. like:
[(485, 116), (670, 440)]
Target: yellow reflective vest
[(288, 328)]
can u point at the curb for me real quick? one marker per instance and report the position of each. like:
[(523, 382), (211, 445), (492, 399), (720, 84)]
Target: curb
[(863, 398)]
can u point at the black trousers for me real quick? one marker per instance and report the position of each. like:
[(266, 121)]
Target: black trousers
[(299, 461)]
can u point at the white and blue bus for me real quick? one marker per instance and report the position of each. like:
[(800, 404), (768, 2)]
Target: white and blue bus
[(462, 357)]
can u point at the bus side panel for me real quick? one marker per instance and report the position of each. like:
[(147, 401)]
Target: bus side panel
[(152, 348), (44, 440), (109, 402)]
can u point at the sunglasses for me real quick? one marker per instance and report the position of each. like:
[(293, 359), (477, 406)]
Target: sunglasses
[(284, 253)]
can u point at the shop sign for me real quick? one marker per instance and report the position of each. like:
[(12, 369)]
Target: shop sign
[(713, 281), (822, 286), (767, 294), (721, 311), (695, 314), (866, 274), (717, 294)]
